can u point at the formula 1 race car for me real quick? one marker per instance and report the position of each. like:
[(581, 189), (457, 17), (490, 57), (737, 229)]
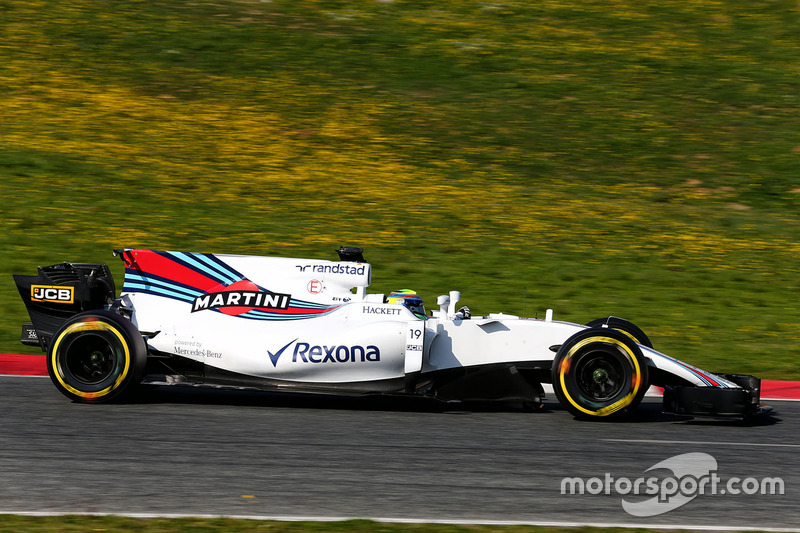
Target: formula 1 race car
[(303, 325)]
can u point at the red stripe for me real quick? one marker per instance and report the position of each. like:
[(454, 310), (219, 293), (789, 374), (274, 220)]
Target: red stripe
[(780, 390), (23, 365), (150, 262)]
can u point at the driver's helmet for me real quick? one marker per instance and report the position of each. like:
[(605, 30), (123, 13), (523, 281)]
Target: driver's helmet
[(409, 299)]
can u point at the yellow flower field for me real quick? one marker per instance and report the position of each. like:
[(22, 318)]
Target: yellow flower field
[(625, 157)]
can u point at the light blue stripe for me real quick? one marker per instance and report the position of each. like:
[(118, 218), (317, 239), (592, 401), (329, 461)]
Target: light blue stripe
[(279, 318), (214, 274), (306, 305), (159, 291), (282, 316), (221, 265), (149, 282)]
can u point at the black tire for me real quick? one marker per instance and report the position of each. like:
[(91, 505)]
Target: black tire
[(620, 324), (96, 356), (600, 373)]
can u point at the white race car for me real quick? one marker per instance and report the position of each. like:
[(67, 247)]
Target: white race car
[(304, 325)]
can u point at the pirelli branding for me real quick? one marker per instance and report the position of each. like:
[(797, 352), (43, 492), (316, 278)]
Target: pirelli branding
[(254, 299), (52, 293)]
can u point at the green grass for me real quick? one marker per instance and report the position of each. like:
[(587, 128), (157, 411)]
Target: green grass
[(82, 524), (629, 158)]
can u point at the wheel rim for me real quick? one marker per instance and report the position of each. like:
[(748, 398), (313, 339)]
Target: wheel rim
[(600, 375), (90, 359)]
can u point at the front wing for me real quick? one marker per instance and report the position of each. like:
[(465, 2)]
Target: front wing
[(740, 402)]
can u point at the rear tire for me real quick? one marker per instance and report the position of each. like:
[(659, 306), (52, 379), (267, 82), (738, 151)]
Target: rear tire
[(599, 373), (96, 356)]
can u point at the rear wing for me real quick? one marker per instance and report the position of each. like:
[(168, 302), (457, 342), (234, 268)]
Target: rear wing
[(57, 292)]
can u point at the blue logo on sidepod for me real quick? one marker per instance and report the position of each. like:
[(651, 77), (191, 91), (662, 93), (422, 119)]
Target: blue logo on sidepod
[(335, 354), (275, 356), (307, 353)]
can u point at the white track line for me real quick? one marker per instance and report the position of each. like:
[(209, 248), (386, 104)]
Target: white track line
[(704, 443)]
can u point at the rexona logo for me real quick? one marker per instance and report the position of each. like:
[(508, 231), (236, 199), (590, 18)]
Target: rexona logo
[(305, 352), (335, 354), (239, 298), (50, 293)]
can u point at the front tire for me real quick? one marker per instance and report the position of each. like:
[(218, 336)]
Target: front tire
[(625, 326), (599, 373), (96, 356)]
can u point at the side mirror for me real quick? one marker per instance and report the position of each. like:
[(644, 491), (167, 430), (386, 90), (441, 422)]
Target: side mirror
[(455, 296), (443, 302)]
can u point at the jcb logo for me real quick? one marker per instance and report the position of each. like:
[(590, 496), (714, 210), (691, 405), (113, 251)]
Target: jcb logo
[(49, 293)]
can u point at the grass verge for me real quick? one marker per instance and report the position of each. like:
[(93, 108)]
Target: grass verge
[(111, 524)]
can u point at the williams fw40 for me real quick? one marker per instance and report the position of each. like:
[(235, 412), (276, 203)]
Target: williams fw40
[(304, 325)]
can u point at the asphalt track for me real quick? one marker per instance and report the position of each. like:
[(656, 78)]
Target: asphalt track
[(207, 452)]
